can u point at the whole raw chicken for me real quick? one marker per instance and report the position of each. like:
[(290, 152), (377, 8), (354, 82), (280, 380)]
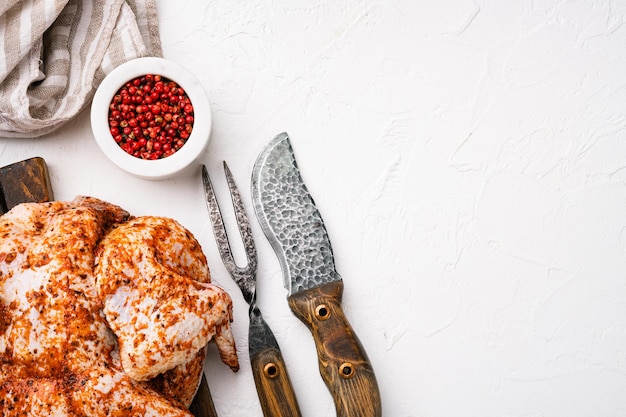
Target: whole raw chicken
[(102, 314)]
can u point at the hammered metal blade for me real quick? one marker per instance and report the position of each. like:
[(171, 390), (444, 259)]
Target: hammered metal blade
[(290, 219)]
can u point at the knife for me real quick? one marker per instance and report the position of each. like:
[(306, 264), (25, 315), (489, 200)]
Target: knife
[(295, 229)]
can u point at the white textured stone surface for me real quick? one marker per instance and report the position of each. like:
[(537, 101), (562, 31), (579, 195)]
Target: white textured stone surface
[(469, 159)]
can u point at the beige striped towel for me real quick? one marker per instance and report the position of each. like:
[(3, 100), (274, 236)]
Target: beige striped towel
[(54, 53)]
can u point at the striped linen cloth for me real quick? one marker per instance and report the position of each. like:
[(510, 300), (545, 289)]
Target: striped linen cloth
[(54, 54)]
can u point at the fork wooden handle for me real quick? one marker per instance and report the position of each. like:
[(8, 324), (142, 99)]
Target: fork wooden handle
[(272, 381), (273, 384)]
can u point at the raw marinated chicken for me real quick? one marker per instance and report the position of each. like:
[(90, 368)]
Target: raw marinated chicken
[(81, 339)]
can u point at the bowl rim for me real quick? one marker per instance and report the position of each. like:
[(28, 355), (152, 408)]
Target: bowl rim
[(195, 144)]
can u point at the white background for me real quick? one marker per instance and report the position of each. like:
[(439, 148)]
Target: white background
[(469, 160)]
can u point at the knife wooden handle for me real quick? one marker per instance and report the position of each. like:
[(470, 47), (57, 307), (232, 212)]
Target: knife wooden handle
[(343, 363), (273, 384)]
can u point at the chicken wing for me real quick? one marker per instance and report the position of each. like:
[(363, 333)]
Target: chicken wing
[(158, 298)]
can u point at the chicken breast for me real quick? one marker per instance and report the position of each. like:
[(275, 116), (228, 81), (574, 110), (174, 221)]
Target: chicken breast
[(58, 353)]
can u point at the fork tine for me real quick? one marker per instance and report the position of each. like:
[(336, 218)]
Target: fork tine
[(243, 276), (242, 221), (217, 221)]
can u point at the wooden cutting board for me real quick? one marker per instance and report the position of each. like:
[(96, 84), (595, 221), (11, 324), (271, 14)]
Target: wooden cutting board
[(26, 181)]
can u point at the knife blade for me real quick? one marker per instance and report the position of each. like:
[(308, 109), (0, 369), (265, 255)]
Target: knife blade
[(295, 229)]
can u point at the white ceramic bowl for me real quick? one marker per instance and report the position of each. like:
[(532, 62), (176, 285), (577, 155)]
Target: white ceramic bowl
[(181, 159)]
